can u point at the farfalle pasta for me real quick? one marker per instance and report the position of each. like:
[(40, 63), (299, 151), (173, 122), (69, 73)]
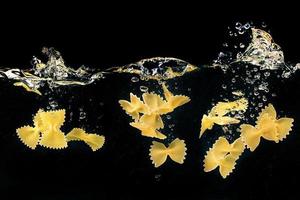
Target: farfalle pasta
[(218, 112), (93, 140), (47, 132), (159, 152), (267, 127), (223, 155), (147, 113)]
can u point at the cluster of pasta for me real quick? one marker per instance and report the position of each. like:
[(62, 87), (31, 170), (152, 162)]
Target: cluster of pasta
[(223, 154), (47, 132), (147, 118)]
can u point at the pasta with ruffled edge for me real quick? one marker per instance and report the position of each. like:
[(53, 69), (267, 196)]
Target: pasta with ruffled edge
[(159, 152), (218, 112), (267, 126), (46, 131), (94, 141), (223, 155)]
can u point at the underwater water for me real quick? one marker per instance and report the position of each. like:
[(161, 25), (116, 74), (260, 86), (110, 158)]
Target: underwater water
[(246, 61)]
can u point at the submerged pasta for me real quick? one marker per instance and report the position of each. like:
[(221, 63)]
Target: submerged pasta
[(174, 101), (134, 107), (151, 108), (149, 125), (159, 152), (93, 140), (223, 155), (268, 127), (218, 112), (46, 131)]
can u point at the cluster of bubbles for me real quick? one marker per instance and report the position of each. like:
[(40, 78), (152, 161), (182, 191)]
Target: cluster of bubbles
[(251, 62)]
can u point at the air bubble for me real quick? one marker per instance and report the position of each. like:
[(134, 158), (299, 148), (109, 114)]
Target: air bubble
[(135, 79), (143, 88)]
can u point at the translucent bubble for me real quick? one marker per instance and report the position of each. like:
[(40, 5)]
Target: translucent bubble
[(267, 74), (134, 79), (247, 26), (242, 45), (238, 25), (169, 117), (233, 80), (241, 32), (82, 115), (265, 98), (143, 88), (224, 86)]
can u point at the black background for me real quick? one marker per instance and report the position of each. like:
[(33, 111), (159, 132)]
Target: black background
[(102, 36)]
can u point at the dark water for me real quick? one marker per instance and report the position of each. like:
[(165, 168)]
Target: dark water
[(122, 168)]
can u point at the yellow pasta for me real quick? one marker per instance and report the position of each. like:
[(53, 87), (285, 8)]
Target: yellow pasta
[(268, 127), (30, 136), (218, 112), (134, 107), (151, 108), (52, 137), (223, 155), (174, 101), (148, 125), (28, 89), (156, 104), (46, 131), (93, 140), (159, 152)]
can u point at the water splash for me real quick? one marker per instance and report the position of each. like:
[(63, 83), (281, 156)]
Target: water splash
[(55, 73)]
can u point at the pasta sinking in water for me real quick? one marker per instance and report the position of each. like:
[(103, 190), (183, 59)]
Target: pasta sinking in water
[(218, 112), (93, 140), (134, 107), (159, 152), (268, 127), (224, 156), (149, 125), (174, 101), (151, 108), (29, 135), (46, 131)]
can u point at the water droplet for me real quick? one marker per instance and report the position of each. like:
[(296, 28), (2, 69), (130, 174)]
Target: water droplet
[(247, 26), (265, 98), (169, 117), (143, 88), (233, 80), (238, 25), (135, 79), (242, 45), (267, 74), (224, 86), (82, 115)]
